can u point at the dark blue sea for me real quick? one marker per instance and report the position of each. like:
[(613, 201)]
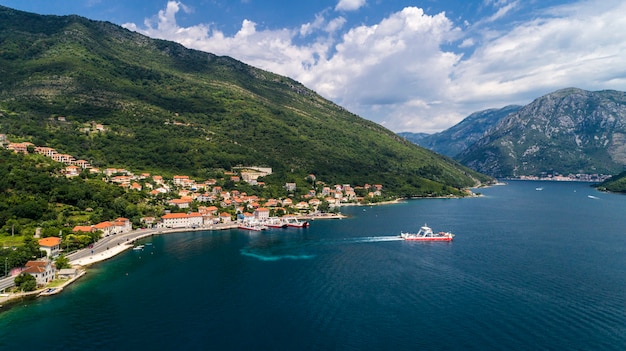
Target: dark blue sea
[(528, 270)]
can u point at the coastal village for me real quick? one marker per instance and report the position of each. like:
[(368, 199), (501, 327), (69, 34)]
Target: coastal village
[(188, 205)]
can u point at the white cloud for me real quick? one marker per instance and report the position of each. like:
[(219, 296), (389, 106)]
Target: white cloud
[(349, 5), (396, 73)]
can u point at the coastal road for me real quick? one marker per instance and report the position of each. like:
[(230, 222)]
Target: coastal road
[(112, 241)]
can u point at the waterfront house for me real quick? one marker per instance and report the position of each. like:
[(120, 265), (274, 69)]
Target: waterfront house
[(175, 220), (225, 217), (261, 213), (43, 271), (122, 225), (195, 219), (107, 228), (51, 245)]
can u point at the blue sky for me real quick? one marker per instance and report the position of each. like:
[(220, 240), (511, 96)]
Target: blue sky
[(417, 66)]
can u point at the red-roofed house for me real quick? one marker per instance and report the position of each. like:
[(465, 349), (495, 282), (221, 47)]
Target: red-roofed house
[(195, 219), (107, 228), (174, 220), (43, 271), (51, 246), (180, 203), (122, 225), (225, 217), (83, 228)]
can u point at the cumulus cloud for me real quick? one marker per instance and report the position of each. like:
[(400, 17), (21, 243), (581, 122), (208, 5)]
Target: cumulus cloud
[(349, 5), (396, 72)]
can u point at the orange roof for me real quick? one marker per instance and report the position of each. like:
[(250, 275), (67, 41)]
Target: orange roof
[(180, 201), (174, 215), (34, 269), (82, 228), (36, 264), (49, 242), (103, 225)]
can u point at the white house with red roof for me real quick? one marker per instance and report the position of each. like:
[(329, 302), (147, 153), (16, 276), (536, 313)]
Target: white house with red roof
[(182, 220), (107, 228), (43, 271), (51, 245), (122, 225)]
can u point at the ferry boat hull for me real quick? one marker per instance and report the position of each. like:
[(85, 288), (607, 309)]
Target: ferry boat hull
[(426, 234), (256, 228), (296, 223), (426, 239)]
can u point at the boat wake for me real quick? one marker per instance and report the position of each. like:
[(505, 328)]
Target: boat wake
[(370, 239), (301, 250)]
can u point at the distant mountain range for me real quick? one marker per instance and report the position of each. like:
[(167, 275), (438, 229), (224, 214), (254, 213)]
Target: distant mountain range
[(568, 131), (117, 98), (458, 138)]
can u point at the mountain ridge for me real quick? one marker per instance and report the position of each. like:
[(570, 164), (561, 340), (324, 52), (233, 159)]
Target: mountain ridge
[(568, 131), (459, 137), (168, 107)]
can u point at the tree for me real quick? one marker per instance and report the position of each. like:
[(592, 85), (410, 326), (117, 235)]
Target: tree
[(25, 282), (62, 262)]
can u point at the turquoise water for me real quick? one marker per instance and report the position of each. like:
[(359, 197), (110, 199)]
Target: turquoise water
[(528, 270)]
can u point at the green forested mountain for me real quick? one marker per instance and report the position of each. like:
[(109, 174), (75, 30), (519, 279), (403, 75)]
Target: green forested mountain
[(167, 108), (616, 184)]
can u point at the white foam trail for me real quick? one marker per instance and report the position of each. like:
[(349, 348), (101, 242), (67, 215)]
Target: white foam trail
[(371, 239)]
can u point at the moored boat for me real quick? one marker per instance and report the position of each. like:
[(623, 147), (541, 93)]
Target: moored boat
[(295, 222), (275, 222), (426, 234), (253, 227)]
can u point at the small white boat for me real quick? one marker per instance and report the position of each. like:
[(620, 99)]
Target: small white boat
[(138, 248)]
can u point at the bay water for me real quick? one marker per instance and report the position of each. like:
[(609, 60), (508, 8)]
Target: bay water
[(533, 266)]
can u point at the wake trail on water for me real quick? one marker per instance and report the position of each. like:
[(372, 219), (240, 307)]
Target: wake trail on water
[(369, 239), (299, 250)]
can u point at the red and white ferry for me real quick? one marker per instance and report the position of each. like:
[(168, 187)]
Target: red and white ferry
[(251, 226), (275, 222), (295, 222), (426, 234)]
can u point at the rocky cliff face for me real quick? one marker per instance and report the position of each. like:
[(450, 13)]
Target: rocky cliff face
[(568, 131)]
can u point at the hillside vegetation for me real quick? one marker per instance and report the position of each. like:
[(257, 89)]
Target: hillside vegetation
[(173, 110)]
